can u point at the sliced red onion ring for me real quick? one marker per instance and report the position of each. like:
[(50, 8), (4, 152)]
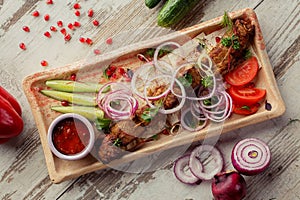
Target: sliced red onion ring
[(200, 123), (251, 156), (123, 95), (182, 170), (167, 68), (162, 110), (208, 72), (141, 77), (195, 156)]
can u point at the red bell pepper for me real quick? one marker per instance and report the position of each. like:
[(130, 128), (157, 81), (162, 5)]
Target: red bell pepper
[(11, 122)]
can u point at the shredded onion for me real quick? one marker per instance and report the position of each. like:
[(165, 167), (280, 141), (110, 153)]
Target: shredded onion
[(251, 156), (182, 170), (195, 156)]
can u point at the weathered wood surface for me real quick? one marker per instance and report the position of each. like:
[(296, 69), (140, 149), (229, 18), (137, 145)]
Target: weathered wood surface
[(23, 173)]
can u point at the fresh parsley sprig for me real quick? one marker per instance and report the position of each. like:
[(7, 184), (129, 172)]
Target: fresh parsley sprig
[(227, 21)]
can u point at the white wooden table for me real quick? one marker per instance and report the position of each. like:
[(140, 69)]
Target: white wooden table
[(23, 172)]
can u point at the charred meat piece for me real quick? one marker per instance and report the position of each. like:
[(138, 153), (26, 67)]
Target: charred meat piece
[(169, 101), (123, 138), (196, 77), (226, 57)]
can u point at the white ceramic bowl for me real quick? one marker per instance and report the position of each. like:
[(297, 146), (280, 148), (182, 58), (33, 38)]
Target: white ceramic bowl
[(88, 147)]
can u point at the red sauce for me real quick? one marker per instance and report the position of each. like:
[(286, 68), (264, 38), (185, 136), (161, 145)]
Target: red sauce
[(70, 136)]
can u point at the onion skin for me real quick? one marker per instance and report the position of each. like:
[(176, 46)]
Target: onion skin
[(238, 161), (229, 186)]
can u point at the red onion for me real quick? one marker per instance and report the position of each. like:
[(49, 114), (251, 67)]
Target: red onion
[(251, 156), (196, 155), (182, 170)]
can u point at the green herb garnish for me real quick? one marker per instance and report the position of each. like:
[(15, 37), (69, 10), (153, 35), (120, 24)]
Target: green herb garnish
[(162, 52), (186, 80), (227, 21), (231, 41), (247, 54), (245, 108), (117, 142), (207, 81), (102, 124), (149, 113)]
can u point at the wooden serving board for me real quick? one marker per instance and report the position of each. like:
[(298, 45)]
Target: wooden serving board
[(89, 70)]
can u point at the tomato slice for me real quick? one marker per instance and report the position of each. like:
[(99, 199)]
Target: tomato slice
[(243, 73), (246, 95), (245, 110)]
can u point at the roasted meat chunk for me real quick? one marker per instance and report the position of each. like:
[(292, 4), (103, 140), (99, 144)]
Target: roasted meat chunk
[(227, 56), (123, 138)]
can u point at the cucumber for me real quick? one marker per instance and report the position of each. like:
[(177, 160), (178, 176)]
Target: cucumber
[(91, 113), (73, 86), (73, 98), (151, 3), (174, 10)]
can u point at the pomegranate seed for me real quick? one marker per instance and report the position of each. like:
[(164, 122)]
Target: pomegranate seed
[(77, 24), (49, 2), (59, 23), (44, 63), (63, 31), (82, 39), (109, 41), (22, 46), (64, 103), (47, 17), (97, 51), (47, 34), (218, 39), (89, 41), (121, 71), (96, 22), (90, 12), (73, 77), (52, 28), (77, 13), (71, 26), (26, 28), (77, 6), (36, 13), (67, 37)]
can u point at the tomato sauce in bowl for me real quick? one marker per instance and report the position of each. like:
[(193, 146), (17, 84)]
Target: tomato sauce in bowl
[(71, 136)]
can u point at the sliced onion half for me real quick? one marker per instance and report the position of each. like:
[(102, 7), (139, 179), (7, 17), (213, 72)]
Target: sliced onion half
[(251, 156), (200, 151), (182, 170)]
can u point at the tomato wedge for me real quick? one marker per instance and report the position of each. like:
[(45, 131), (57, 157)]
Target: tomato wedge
[(246, 95), (243, 73), (245, 110)]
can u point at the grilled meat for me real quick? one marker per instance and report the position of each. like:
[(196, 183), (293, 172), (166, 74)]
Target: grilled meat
[(227, 57)]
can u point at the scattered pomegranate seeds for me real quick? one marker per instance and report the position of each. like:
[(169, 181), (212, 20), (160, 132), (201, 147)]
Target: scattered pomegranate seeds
[(63, 31), (52, 28), (82, 39), (47, 34), (73, 77), (71, 26), (96, 22), (22, 46), (77, 6), (59, 23), (49, 2), (67, 37), (77, 13), (47, 17), (218, 39), (26, 28), (77, 24), (64, 103), (90, 12), (44, 63), (36, 13), (89, 41), (109, 41), (97, 51)]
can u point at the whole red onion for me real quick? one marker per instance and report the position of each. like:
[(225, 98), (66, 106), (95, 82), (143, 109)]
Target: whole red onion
[(229, 186)]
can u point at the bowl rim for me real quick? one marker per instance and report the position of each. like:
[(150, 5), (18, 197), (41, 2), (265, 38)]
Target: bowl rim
[(88, 147)]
